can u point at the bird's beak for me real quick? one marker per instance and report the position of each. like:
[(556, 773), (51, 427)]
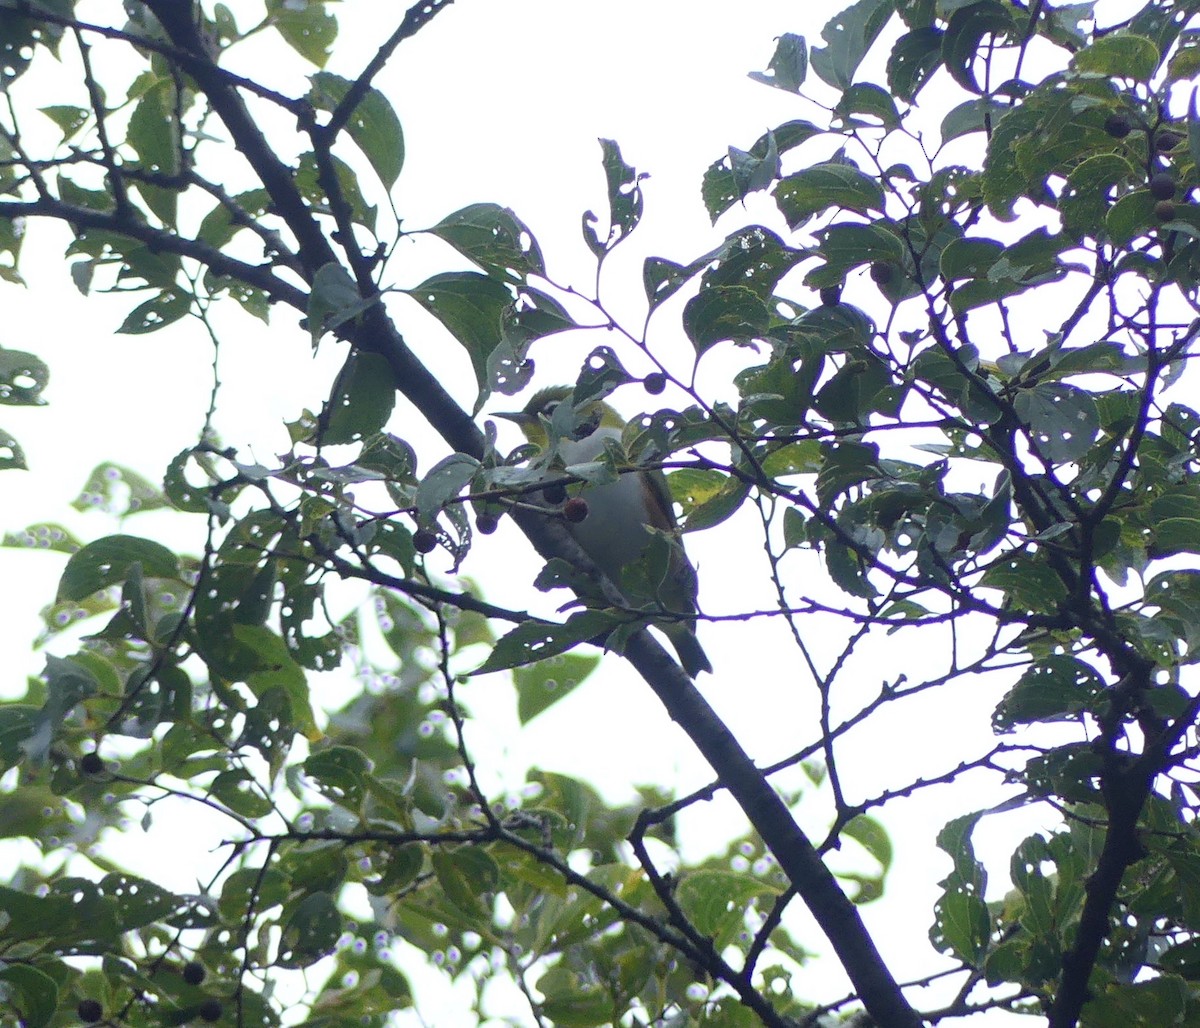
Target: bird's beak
[(517, 417)]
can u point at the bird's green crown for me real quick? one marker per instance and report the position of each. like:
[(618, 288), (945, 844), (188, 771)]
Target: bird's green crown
[(541, 406)]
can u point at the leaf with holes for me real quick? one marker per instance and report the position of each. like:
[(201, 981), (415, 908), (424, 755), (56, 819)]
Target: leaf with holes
[(1062, 419), (372, 124), (23, 376)]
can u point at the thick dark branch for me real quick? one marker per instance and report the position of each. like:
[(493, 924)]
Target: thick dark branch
[(261, 276), (1125, 796), (178, 20), (1126, 783), (815, 883)]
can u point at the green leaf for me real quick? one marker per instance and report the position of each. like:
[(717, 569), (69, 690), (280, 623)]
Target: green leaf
[(154, 135), (860, 387), (372, 125), (311, 932), (31, 994), (913, 59), (340, 774), (1183, 958), (724, 313), (1058, 688), (847, 245), (158, 312), (788, 65), (42, 536), (250, 888), (975, 115), (1084, 202), (816, 189), (334, 300), (270, 665), (751, 173), (589, 1007), (1119, 55), (494, 238), (117, 490), (491, 319), (139, 902), (794, 459), (1164, 1000), (624, 202), (868, 99), (11, 454), (753, 258), (466, 874), (716, 902), (363, 399), (965, 31), (18, 722), (1131, 216), (541, 685), (21, 35), (220, 225), (845, 465), (537, 640), (1176, 535), (873, 837), (80, 918), (1193, 128), (311, 182), (1027, 582), (238, 791), (308, 28), (721, 189), (23, 376), (1062, 419), (961, 924), (707, 497), (444, 481), (848, 36), (969, 257), (108, 561), (1176, 594)]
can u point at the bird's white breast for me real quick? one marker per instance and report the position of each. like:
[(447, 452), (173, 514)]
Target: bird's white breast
[(613, 534)]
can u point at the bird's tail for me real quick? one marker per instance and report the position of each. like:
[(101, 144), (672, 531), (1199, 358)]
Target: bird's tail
[(682, 635)]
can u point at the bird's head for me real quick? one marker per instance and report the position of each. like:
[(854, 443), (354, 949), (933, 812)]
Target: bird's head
[(551, 411)]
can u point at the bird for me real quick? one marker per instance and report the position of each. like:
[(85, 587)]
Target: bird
[(621, 519)]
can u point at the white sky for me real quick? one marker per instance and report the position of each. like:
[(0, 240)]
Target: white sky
[(503, 101)]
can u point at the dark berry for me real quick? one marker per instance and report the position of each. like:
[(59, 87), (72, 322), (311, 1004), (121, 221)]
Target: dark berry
[(91, 764), (654, 383), (1164, 210), (1165, 141), (193, 972), (487, 523), (89, 1010), (575, 509), (1162, 186), (554, 493), (210, 1009), (424, 541), (1117, 125), (882, 273), (831, 296)]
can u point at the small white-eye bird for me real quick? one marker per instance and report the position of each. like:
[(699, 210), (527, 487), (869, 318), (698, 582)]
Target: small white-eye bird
[(622, 516)]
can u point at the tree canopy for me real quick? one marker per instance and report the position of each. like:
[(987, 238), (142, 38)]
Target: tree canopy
[(954, 338)]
